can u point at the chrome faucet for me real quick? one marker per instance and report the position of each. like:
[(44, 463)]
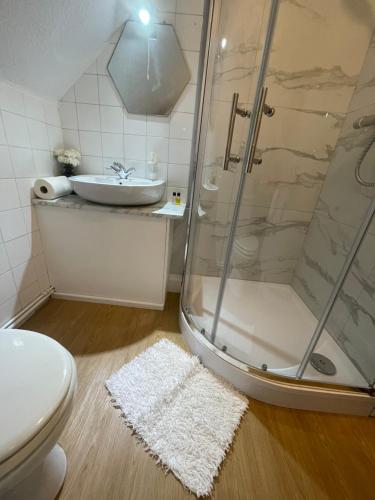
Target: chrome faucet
[(120, 170)]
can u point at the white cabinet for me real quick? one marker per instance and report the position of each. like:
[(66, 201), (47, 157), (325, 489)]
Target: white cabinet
[(106, 257)]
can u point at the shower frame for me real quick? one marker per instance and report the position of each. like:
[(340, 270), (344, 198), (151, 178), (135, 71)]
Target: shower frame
[(292, 392)]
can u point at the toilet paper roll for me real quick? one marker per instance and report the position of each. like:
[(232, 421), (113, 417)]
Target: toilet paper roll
[(49, 188)]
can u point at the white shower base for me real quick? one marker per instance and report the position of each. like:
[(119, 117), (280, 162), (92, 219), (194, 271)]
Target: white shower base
[(267, 323)]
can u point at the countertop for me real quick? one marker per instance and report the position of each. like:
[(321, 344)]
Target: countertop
[(161, 209)]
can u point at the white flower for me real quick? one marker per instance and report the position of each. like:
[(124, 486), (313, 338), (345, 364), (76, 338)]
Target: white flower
[(68, 156)]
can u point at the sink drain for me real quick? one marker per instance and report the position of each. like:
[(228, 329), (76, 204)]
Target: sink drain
[(322, 364)]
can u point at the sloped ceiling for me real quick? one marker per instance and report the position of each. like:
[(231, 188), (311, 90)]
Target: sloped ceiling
[(45, 45)]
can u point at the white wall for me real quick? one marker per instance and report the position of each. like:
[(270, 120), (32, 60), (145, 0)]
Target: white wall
[(95, 122), (29, 131)]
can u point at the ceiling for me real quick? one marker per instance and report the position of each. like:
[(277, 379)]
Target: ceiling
[(45, 45)]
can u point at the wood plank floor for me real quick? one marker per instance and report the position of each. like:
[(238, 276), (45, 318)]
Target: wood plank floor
[(277, 453)]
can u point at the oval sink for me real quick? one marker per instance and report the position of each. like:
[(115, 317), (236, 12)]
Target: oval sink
[(110, 190)]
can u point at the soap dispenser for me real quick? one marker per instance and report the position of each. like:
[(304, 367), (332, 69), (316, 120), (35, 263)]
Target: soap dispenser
[(152, 166)]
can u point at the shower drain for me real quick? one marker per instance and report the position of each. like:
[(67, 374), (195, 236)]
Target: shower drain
[(322, 364)]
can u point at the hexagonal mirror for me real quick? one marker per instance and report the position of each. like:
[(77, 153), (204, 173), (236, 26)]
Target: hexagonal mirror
[(148, 68)]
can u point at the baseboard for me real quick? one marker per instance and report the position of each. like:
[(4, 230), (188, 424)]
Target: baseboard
[(174, 283), (106, 300), (29, 310)]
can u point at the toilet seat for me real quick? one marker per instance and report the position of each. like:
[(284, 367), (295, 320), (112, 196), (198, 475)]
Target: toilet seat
[(246, 246), (37, 383)]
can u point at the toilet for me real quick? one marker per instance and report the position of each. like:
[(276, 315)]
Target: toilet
[(245, 250), (37, 385)]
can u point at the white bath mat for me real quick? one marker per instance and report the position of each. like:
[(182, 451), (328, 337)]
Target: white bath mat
[(183, 413)]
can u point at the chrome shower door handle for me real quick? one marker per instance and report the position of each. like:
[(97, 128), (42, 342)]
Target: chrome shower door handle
[(235, 110), (262, 109), (232, 121)]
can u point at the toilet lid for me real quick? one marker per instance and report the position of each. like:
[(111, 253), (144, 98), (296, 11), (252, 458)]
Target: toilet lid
[(247, 244), (35, 375)]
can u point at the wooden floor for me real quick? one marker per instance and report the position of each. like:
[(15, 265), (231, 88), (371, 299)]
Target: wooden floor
[(277, 453)]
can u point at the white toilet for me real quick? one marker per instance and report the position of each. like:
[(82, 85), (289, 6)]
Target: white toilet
[(37, 384), (245, 250)]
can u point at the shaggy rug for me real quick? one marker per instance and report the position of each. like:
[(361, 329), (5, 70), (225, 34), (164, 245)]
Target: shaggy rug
[(185, 416)]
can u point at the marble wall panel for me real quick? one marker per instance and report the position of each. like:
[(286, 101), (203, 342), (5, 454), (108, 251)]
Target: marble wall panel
[(278, 236)]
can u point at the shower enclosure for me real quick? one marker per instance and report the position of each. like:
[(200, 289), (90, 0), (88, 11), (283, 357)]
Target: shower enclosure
[(279, 284)]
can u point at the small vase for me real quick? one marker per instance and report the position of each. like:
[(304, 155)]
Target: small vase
[(67, 170)]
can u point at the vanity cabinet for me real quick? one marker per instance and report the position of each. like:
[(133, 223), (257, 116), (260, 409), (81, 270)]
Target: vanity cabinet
[(106, 255)]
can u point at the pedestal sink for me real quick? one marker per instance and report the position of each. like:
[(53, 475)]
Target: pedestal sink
[(110, 190)]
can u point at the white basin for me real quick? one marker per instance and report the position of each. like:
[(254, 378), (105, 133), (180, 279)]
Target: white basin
[(110, 190)]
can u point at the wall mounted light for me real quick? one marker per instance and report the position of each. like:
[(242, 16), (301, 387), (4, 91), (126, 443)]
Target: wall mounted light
[(144, 16)]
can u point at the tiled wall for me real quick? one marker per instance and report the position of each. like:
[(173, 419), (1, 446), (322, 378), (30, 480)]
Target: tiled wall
[(29, 131), (311, 77), (95, 122), (341, 208)]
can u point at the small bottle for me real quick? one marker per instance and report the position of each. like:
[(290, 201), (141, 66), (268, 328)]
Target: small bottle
[(174, 198), (178, 199)]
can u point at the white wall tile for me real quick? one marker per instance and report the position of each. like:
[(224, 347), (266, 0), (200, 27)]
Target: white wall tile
[(91, 143), (23, 162), (34, 108), (134, 124), (181, 126), (70, 95), (112, 144), (51, 113), (18, 250), (16, 130), (188, 28), (158, 126), (4, 262), (6, 170), (158, 145), (9, 198), (139, 166), (111, 119), (68, 114), (88, 117), (178, 175), (32, 129), (55, 137), (11, 99), (190, 7), (107, 92), (71, 139), (24, 275), (86, 89), (9, 309), (12, 224), (135, 147), (7, 287), (28, 294), (38, 134), (91, 165), (25, 191), (44, 162), (186, 102), (179, 151)]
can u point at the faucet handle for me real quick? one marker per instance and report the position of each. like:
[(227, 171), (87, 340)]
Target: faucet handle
[(118, 165)]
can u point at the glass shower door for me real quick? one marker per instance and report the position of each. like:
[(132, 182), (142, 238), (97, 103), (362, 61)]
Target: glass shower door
[(239, 36)]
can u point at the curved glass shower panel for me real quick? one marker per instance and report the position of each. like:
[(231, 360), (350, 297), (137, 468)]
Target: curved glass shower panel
[(301, 207), (232, 74)]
